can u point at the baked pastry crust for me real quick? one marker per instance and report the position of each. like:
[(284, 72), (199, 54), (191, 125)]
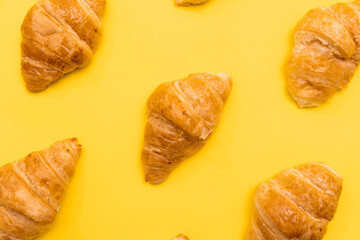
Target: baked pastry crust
[(326, 53), (58, 36), (181, 116), (32, 189), (297, 204)]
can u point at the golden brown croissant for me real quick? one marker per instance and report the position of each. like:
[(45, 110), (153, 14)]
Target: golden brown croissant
[(297, 204), (181, 116), (57, 37), (180, 237), (189, 2), (326, 53), (32, 189)]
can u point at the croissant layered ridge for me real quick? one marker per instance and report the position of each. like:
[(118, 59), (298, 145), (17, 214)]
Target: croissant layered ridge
[(326, 53), (32, 189), (297, 204), (181, 115), (58, 36)]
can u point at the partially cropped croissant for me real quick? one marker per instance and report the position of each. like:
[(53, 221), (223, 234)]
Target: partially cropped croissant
[(57, 37), (297, 204), (32, 189), (180, 237), (189, 2), (181, 116), (326, 53)]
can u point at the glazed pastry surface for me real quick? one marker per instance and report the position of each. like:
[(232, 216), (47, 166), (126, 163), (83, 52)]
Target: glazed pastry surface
[(182, 115), (58, 36), (297, 204), (189, 2), (326, 53), (32, 189), (180, 237)]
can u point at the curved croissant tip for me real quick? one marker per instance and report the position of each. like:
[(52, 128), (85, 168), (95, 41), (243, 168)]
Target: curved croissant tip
[(226, 77), (181, 237), (303, 103), (327, 166), (154, 178), (75, 145), (73, 140), (34, 88)]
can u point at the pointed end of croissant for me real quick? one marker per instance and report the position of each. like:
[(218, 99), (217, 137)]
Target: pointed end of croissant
[(156, 166), (224, 86), (155, 178), (181, 237), (37, 76), (34, 85), (34, 89), (303, 103), (305, 95), (74, 146), (226, 78)]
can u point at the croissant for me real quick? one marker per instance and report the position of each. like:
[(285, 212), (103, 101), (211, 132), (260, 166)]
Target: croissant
[(32, 189), (182, 115), (180, 237), (326, 53), (297, 204), (189, 2), (58, 36)]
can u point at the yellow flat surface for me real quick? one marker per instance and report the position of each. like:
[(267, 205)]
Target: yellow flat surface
[(209, 197)]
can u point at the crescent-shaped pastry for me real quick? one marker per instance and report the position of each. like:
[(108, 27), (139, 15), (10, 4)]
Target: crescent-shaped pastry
[(58, 36), (297, 204), (326, 53), (182, 115), (32, 189)]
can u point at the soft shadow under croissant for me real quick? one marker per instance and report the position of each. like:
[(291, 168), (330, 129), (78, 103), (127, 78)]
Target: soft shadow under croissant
[(58, 36), (326, 53), (32, 189), (297, 204), (181, 116)]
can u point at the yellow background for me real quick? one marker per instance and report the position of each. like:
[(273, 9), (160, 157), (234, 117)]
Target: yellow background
[(209, 197)]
